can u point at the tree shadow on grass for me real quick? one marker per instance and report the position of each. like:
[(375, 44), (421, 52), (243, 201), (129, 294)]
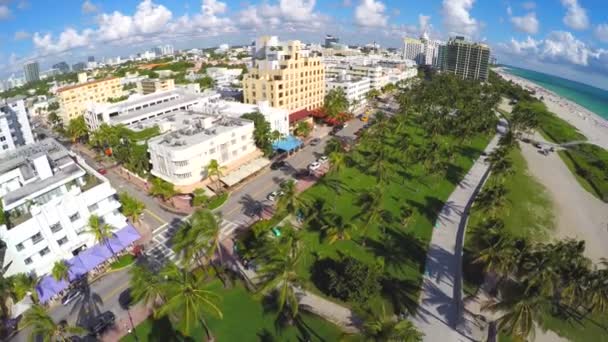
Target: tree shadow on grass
[(402, 293), (399, 248), (163, 330), (430, 209), (454, 174)]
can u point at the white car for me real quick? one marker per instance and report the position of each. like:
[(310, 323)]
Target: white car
[(314, 166), (323, 159), (274, 195)]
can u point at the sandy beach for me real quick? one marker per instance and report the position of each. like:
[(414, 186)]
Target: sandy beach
[(591, 125)]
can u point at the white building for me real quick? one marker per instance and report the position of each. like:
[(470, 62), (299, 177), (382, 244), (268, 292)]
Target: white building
[(354, 88), (15, 127), (47, 199), (378, 69), (193, 139), (163, 50), (414, 49), (277, 117), (224, 77)]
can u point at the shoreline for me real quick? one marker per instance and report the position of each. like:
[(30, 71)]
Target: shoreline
[(590, 124)]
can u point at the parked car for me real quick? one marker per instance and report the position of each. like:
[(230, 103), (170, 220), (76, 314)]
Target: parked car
[(278, 165), (102, 322), (273, 196), (71, 296), (314, 166), (283, 183), (102, 171), (315, 142), (323, 159)]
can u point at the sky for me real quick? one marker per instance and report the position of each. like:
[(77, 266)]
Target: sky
[(568, 38)]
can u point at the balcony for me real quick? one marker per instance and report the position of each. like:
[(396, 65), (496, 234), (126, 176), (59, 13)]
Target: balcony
[(16, 217)]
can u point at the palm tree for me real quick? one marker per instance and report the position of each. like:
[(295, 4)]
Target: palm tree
[(147, 286), (596, 295), (302, 129), (370, 203), (44, 327), (337, 161), (77, 129), (6, 292), (102, 232), (336, 229), (162, 189), (131, 207), (214, 170), (335, 102), (199, 198), (385, 328), (188, 303), (21, 284), (199, 236), (289, 201), (275, 135), (278, 275), (406, 214), (333, 145), (60, 270), (520, 313)]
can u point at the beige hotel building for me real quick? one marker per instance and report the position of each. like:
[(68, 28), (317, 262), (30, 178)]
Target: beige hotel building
[(74, 100), (284, 74)]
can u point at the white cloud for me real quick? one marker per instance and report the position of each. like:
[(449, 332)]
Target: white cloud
[(601, 32), (424, 23), (509, 11), (21, 35), (371, 13), (287, 15), (529, 5), (457, 19), (527, 23), (5, 12), (151, 18), (68, 39), (576, 16), (89, 7), (297, 10), (347, 3)]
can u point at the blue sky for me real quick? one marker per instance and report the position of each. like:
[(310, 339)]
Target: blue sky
[(568, 38)]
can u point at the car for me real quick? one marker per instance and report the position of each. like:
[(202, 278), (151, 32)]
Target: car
[(71, 296), (314, 166), (284, 183), (102, 322), (274, 195), (323, 159), (537, 145), (344, 125), (125, 299), (102, 171), (278, 165), (315, 142)]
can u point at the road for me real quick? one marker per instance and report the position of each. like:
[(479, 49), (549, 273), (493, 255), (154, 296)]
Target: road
[(103, 294)]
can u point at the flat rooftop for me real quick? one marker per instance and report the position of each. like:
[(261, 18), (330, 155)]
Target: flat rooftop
[(190, 128), (22, 156)]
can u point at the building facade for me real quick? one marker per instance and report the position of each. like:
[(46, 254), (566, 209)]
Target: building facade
[(31, 71), (414, 49), (63, 67), (284, 74), (193, 139), (152, 85), (47, 198), (224, 77), (466, 60), (354, 88), (331, 40), (163, 50), (74, 100), (15, 127)]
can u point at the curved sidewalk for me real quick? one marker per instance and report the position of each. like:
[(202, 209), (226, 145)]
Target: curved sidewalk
[(440, 312)]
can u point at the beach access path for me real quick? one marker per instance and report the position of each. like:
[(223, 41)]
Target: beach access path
[(441, 315)]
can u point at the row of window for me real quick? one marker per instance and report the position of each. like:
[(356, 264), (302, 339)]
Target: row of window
[(46, 250)]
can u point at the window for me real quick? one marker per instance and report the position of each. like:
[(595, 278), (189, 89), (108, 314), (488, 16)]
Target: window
[(233, 142), (19, 247), (244, 148), (44, 251), (93, 207), (37, 238), (212, 151), (243, 137), (75, 217), (62, 241), (56, 227), (28, 261), (181, 163)]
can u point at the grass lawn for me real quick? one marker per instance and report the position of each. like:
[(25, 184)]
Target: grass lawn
[(589, 164), (593, 328), (144, 134), (551, 126), (402, 249), (245, 319), (217, 201), (528, 213), (123, 261)]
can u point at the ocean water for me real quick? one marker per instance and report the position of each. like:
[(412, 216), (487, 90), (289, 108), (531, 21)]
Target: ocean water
[(594, 99)]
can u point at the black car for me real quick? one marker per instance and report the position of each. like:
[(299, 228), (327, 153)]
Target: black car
[(278, 165), (102, 322), (315, 142)]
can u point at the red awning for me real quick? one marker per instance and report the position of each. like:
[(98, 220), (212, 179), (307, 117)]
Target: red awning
[(299, 115)]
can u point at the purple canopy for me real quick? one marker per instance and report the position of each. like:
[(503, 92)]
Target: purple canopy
[(86, 261)]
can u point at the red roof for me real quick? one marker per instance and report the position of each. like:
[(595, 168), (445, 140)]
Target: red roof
[(299, 115)]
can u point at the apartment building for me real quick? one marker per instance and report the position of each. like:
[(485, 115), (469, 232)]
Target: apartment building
[(192, 140), (285, 74), (74, 100), (224, 77), (47, 198), (31, 70), (153, 85), (355, 89), (278, 118), (414, 49), (465, 59), (141, 108), (15, 127), (380, 71)]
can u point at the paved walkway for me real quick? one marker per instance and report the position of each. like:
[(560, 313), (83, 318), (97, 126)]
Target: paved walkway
[(440, 313)]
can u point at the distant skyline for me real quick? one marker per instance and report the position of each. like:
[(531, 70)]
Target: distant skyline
[(568, 38)]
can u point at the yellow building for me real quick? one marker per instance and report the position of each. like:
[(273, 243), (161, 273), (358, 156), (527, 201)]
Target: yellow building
[(74, 100), (152, 85), (286, 75)]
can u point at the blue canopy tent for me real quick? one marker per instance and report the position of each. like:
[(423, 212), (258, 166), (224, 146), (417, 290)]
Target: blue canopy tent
[(287, 144)]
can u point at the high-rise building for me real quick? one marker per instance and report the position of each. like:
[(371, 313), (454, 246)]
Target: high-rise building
[(331, 40), (31, 71), (15, 127), (91, 59), (414, 49), (73, 100), (163, 50), (467, 60), (79, 66), (285, 74), (63, 67)]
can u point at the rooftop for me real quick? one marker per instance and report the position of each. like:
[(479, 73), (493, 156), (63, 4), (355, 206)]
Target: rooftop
[(75, 86), (22, 156)]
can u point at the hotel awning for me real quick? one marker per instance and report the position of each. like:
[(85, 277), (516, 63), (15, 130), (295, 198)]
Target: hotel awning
[(244, 171)]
